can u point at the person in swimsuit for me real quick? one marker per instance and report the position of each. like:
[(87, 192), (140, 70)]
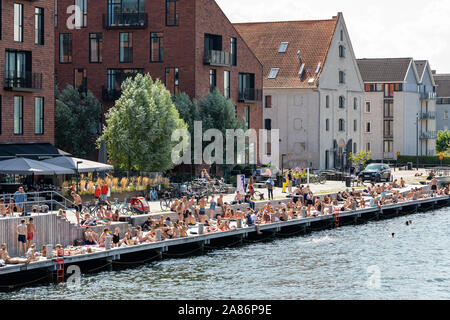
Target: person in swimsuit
[(202, 211), (8, 260), (116, 236), (102, 239), (31, 230), (78, 206), (212, 207), (90, 237), (2, 207), (22, 236)]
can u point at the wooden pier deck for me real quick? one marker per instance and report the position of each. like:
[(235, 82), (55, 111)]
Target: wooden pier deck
[(198, 243)]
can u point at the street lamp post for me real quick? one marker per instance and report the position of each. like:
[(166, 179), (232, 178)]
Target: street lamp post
[(417, 141), (78, 176)]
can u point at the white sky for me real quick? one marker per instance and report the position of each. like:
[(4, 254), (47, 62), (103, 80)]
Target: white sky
[(378, 29)]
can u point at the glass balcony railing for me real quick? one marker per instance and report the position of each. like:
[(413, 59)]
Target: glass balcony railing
[(427, 115), (428, 96), (217, 58), (250, 95), (125, 20)]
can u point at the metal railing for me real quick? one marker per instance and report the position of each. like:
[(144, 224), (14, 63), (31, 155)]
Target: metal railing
[(428, 135), (128, 20), (250, 94), (428, 96), (217, 58), (443, 101), (52, 200), (427, 115), (18, 81)]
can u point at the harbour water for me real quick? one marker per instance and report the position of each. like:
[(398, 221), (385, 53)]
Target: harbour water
[(352, 262)]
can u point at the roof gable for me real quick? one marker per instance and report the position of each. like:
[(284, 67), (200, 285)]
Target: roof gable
[(311, 39), (384, 69)]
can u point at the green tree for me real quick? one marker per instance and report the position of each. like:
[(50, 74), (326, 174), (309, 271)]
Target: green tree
[(361, 158), (443, 142), (139, 127), (77, 121)]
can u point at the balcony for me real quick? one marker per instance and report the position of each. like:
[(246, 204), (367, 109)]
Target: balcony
[(443, 101), (136, 20), (388, 135), (250, 95), (23, 81), (428, 96), (427, 115), (110, 94), (217, 58), (428, 135)]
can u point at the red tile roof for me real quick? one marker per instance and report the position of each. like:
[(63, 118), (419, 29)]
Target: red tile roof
[(312, 38)]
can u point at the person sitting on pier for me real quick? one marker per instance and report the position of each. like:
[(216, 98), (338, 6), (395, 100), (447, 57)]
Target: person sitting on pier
[(362, 203), (191, 220), (8, 260), (248, 199), (2, 207), (402, 183), (147, 225), (116, 236), (102, 238), (90, 237), (31, 253), (238, 198)]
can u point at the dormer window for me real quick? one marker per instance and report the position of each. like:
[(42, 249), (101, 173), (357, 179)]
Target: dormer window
[(273, 73), (283, 47)]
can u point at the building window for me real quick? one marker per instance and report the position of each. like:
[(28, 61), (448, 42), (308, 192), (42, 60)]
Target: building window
[(18, 115), (355, 125), (389, 90), (355, 103), (341, 102), (39, 115), (212, 79), (171, 13), (268, 101), (388, 146), (341, 52), (117, 76), (18, 22), (368, 127), (341, 77), (367, 106), (283, 47), (341, 125), (126, 47), (172, 83), (95, 47), (65, 48), (342, 35), (18, 69), (269, 148), (368, 146), (273, 73), (247, 116), (388, 111), (354, 147), (156, 47), (388, 128), (233, 51), (39, 26), (80, 80), (82, 4), (55, 13), (247, 87), (226, 84), (327, 101), (445, 115), (268, 124), (327, 124)]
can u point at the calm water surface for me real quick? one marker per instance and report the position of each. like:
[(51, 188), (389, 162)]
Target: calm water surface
[(333, 264)]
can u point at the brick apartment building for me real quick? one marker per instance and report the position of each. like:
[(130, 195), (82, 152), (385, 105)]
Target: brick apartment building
[(189, 45), (26, 71)]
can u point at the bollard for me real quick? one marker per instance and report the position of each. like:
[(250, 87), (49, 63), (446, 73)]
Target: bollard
[(49, 249), (108, 242), (239, 223), (158, 234), (200, 228)]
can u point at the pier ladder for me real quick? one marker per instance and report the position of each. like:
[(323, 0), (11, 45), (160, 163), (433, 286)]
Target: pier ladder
[(60, 265), (336, 220)]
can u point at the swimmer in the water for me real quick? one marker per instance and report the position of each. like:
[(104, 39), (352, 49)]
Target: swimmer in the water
[(393, 234)]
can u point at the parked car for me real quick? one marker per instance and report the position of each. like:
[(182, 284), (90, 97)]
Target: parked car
[(376, 172)]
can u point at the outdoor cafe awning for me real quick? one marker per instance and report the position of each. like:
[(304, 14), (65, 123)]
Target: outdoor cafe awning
[(83, 165), (28, 167)]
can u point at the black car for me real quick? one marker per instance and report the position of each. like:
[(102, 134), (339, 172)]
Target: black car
[(376, 172)]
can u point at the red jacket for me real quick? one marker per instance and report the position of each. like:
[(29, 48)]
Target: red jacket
[(104, 190), (97, 192)]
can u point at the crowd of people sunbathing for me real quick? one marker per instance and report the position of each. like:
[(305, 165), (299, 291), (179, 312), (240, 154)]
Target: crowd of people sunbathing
[(222, 216)]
